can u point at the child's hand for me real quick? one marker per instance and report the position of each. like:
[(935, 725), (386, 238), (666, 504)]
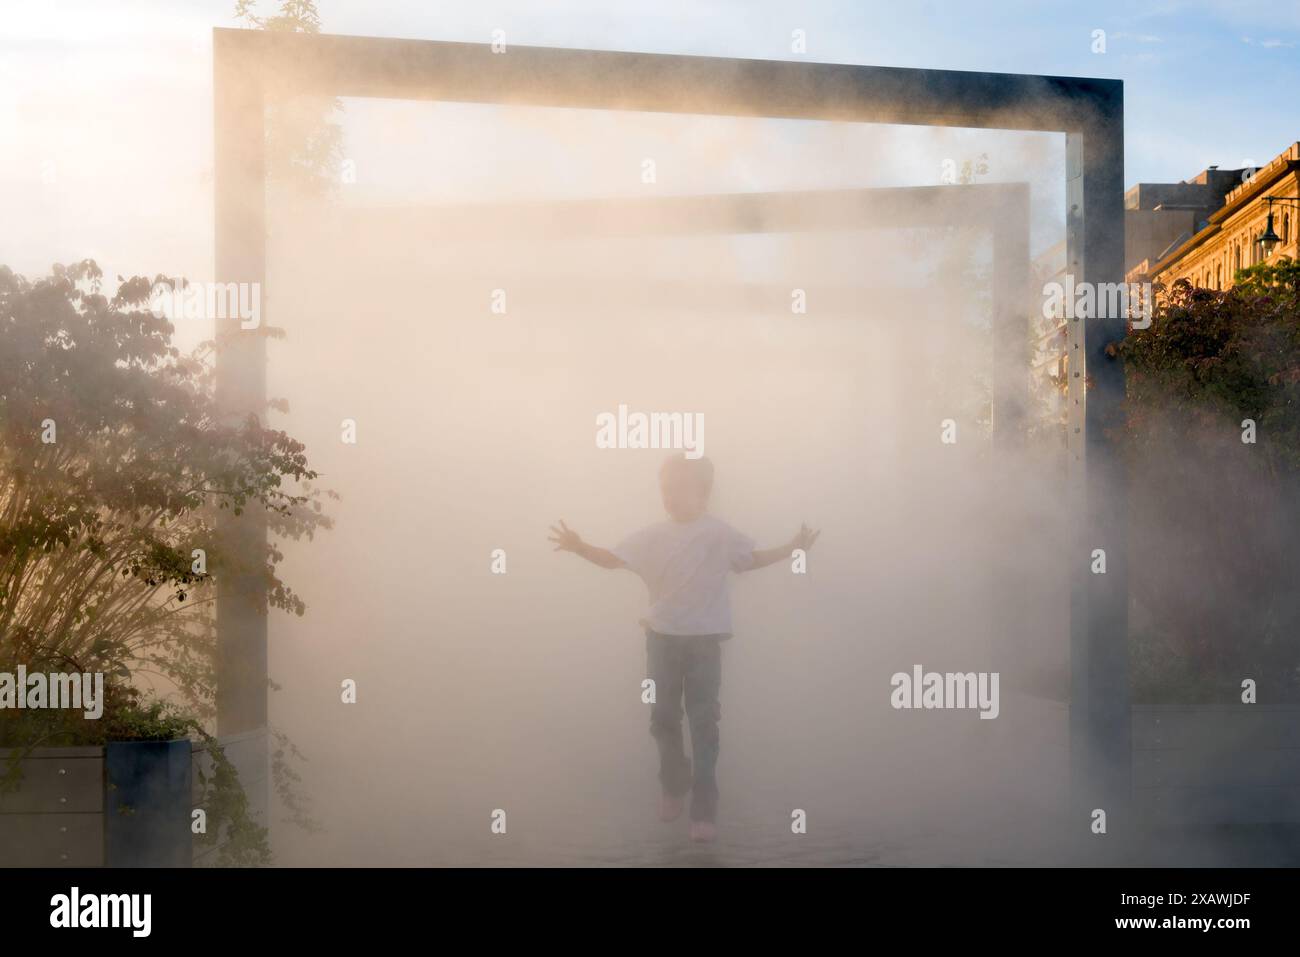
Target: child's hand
[(566, 539), (770, 556), (805, 538)]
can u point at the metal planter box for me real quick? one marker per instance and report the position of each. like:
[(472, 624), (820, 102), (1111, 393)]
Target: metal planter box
[(124, 805), (147, 791), (1217, 764)]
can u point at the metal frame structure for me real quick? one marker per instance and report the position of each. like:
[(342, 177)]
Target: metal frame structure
[(248, 65), (1000, 208)]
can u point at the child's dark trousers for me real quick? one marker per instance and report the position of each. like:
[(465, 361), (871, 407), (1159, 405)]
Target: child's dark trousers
[(686, 667)]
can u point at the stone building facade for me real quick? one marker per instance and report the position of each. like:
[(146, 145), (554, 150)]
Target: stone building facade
[(1225, 238)]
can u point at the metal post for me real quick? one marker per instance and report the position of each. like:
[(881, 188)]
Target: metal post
[(240, 247)]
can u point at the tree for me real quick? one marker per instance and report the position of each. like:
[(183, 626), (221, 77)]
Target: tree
[(304, 149), (1214, 439), (114, 465)]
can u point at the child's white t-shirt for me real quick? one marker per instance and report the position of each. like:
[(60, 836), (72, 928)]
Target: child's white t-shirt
[(685, 567)]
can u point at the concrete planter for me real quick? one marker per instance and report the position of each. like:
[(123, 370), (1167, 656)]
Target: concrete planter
[(1217, 764), (128, 804), (123, 805), (1194, 766), (56, 817)]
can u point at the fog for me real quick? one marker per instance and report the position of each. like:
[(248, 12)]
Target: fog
[(471, 288), (475, 431)]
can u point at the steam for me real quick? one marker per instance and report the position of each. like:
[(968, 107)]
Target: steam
[(487, 282), (476, 429)]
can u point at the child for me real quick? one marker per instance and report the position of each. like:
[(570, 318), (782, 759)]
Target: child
[(684, 563)]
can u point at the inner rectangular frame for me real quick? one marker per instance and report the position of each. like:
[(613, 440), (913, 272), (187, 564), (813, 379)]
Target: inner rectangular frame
[(1001, 208), (249, 63)]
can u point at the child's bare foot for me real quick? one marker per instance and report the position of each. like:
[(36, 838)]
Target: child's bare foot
[(670, 808), (703, 832)]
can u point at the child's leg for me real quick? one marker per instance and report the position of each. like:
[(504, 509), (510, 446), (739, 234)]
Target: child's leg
[(664, 665), (703, 710)]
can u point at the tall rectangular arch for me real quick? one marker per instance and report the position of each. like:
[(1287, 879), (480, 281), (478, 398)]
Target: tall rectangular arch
[(248, 63)]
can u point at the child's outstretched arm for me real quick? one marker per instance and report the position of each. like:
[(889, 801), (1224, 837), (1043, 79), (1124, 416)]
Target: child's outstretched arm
[(567, 540), (770, 556)]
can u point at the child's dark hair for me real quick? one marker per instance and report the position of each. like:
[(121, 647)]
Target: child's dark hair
[(700, 469)]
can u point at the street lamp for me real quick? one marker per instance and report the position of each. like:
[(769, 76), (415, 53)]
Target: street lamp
[(1268, 239)]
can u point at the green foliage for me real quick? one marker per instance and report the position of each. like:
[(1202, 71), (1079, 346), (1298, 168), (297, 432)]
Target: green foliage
[(238, 840), (972, 170), (99, 527), (1234, 353), (286, 780), (304, 149), (1214, 555), (129, 715), (295, 16)]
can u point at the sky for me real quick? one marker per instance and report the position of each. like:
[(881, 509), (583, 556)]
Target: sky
[(105, 107)]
